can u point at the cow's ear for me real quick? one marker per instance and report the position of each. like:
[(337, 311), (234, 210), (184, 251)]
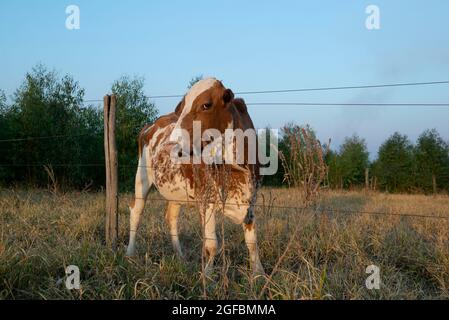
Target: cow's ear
[(240, 105), (179, 107), (228, 95)]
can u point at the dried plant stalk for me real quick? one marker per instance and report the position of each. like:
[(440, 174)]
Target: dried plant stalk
[(304, 163), (53, 185)]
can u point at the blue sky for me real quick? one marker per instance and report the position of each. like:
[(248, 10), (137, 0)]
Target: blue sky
[(249, 45)]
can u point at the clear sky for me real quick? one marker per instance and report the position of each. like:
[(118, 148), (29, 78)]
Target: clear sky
[(249, 45)]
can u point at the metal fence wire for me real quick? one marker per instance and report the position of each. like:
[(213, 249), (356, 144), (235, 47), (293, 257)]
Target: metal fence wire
[(330, 88)]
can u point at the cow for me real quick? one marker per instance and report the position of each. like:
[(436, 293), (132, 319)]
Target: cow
[(180, 182)]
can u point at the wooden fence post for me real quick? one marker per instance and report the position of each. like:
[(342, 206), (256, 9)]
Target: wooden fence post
[(110, 152)]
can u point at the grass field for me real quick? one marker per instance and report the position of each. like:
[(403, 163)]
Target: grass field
[(41, 234)]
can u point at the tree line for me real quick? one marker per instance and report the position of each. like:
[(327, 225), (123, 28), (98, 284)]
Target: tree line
[(49, 135), (48, 124), (400, 166)]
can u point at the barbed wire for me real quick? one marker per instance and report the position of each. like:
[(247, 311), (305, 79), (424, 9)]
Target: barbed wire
[(321, 208), (51, 137), (324, 104), (260, 104), (66, 165), (293, 103), (402, 84), (418, 215), (53, 165), (343, 104), (129, 126)]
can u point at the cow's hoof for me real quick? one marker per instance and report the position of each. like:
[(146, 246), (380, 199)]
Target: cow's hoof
[(258, 272), (130, 253), (209, 272), (180, 255), (182, 258)]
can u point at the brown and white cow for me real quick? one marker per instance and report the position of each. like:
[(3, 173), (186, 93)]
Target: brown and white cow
[(215, 107)]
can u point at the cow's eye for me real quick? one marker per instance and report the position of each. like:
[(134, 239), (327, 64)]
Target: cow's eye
[(207, 106)]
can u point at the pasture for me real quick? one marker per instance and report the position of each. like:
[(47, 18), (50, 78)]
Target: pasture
[(312, 253)]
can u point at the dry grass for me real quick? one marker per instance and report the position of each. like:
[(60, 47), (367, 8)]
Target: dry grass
[(40, 234)]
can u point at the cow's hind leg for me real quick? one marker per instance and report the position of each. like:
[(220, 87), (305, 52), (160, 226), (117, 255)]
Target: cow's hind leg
[(210, 239), (171, 215), (249, 227), (142, 187)]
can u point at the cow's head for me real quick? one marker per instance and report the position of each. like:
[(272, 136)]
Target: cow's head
[(208, 103)]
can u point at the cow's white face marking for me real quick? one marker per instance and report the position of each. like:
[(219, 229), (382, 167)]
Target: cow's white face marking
[(197, 89)]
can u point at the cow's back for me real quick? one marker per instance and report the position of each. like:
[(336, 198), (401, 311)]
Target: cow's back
[(149, 131)]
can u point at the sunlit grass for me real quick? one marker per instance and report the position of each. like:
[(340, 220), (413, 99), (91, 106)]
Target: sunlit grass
[(41, 234)]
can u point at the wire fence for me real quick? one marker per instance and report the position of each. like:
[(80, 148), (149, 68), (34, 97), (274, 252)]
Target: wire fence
[(319, 208), (267, 206), (55, 137), (274, 103), (330, 104), (327, 209), (331, 88)]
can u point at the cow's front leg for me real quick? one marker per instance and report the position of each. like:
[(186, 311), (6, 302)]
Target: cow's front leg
[(249, 226), (210, 243)]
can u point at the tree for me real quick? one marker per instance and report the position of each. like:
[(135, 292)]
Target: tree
[(353, 161), (46, 105), (3, 133), (134, 110), (2, 101), (432, 160), (394, 167), (3, 111), (69, 134), (334, 175)]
